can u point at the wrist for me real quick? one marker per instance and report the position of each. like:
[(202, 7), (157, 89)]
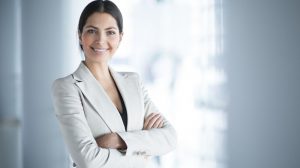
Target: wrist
[(121, 145)]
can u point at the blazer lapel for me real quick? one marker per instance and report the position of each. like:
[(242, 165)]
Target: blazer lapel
[(129, 91), (98, 98)]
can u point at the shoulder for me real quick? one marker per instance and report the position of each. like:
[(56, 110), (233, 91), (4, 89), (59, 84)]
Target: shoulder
[(63, 84), (129, 74), (63, 81)]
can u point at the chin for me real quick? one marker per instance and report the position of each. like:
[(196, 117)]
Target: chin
[(98, 59)]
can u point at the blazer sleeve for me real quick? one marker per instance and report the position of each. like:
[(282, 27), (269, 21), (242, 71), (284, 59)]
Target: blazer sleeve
[(76, 132), (151, 142)]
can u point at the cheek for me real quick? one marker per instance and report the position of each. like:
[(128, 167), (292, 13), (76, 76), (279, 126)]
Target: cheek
[(86, 40), (115, 42)]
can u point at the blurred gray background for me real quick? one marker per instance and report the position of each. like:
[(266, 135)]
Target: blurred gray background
[(262, 55), (262, 51)]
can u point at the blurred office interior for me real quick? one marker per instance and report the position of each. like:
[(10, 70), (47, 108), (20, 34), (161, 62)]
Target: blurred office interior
[(224, 72)]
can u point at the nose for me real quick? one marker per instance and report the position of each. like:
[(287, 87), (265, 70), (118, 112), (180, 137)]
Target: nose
[(100, 39)]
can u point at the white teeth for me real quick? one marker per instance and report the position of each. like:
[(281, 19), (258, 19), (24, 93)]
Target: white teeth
[(99, 49)]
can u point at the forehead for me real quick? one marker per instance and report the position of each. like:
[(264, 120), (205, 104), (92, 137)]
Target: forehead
[(101, 20)]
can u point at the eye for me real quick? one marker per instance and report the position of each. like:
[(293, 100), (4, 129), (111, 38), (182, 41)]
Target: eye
[(91, 31), (110, 33)]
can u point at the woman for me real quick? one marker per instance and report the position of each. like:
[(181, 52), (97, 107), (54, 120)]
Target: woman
[(106, 117)]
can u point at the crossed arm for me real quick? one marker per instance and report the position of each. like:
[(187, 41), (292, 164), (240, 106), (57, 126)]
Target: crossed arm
[(90, 152), (114, 141)]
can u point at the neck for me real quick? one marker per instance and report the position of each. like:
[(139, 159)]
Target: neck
[(100, 71)]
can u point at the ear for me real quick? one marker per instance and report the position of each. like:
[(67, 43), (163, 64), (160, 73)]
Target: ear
[(79, 37), (121, 36)]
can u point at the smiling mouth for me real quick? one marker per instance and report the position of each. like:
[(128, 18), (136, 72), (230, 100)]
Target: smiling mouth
[(99, 50)]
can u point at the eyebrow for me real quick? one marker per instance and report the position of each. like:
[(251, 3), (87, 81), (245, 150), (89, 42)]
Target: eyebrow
[(111, 27)]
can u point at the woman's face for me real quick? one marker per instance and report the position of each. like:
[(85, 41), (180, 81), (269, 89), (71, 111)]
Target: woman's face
[(100, 37)]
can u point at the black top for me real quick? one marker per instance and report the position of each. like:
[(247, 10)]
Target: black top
[(123, 113)]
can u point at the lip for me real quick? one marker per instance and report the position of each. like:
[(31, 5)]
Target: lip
[(99, 50)]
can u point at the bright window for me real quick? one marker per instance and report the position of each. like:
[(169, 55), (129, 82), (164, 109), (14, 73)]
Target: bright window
[(176, 46)]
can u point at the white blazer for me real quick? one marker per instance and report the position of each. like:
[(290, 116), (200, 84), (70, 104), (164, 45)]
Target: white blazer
[(85, 111)]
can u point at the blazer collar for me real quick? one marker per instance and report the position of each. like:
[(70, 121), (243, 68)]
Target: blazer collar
[(98, 98)]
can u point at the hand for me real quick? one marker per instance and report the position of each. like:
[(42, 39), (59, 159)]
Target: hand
[(111, 140), (154, 120)]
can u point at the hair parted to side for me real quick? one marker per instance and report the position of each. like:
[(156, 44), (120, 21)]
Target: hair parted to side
[(101, 6)]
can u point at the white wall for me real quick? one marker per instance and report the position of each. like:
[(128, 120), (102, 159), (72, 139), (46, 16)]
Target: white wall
[(10, 84), (43, 53), (38, 44), (262, 51)]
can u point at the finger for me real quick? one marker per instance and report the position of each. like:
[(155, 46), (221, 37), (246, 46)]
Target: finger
[(152, 121), (157, 122), (161, 124), (148, 118)]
